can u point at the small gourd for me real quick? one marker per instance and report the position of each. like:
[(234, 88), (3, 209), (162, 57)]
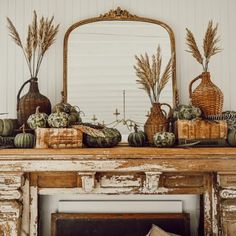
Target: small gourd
[(111, 139), (164, 139), (7, 127), (231, 138), (186, 112), (59, 119), (74, 116), (62, 106), (137, 138), (37, 120), (24, 140)]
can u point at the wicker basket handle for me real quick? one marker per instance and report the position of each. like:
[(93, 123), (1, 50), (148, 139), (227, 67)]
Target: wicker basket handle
[(191, 84), (170, 109), (21, 88)]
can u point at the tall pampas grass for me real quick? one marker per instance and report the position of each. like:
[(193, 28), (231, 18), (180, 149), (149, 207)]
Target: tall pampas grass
[(41, 35), (210, 47)]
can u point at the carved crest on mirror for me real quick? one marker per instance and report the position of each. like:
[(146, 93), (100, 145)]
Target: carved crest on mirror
[(118, 14)]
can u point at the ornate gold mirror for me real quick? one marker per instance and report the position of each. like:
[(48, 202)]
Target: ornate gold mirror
[(99, 55)]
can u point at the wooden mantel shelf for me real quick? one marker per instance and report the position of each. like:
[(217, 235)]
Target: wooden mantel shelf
[(120, 152), (27, 173), (119, 159)]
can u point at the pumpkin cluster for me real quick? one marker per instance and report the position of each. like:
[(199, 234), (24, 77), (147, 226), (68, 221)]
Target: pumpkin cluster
[(160, 139), (63, 115)]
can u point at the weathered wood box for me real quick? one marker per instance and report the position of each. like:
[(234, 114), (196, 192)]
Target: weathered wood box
[(201, 130), (58, 138)]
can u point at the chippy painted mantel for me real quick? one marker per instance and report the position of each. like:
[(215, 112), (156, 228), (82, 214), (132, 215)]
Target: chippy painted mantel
[(27, 173)]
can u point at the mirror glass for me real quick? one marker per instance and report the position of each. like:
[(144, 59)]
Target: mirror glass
[(101, 78)]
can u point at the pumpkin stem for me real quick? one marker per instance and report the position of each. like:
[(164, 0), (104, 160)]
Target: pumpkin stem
[(23, 128), (37, 110), (57, 110)]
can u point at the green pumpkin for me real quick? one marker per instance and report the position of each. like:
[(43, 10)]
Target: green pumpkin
[(24, 140), (62, 107), (111, 139), (7, 141), (231, 138), (58, 119), (74, 116), (186, 112), (164, 139), (7, 126), (137, 138), (37, 120)]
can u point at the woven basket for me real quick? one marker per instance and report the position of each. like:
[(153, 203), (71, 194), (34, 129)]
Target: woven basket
[(207, 96), (27, 104), (156, 122)]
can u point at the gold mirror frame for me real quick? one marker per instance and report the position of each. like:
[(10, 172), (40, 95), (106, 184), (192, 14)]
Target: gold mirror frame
[(120, 15)]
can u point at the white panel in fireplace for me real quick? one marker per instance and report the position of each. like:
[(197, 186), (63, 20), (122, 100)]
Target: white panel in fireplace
[(120, 206)]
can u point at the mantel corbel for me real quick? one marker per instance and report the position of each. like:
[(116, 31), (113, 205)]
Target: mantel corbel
[(88, 181), (151, 183)]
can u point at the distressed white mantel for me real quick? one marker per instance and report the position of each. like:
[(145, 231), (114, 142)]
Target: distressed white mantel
[(25, 174)]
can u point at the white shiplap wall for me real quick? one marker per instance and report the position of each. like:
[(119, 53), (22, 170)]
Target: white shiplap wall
[(179, 14)]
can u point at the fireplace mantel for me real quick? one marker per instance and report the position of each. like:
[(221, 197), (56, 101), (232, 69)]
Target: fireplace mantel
[(27, 173)]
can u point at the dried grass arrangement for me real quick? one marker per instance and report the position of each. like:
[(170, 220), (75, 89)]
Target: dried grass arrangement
[(41, 35), (149, 74), (210, 47)]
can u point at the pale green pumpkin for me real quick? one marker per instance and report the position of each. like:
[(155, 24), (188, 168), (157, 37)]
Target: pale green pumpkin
[(37, 120), (58, 119), (7, 127), (164, 139), (24, 140)]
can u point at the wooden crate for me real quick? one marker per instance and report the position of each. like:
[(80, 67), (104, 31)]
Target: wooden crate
[(201, 130), (58, 138)]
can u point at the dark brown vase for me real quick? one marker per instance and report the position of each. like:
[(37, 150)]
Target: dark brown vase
[(207, 96), (157, 121), (27, 104)]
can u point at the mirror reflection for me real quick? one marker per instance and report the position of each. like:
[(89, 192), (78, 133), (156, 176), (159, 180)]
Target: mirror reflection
[(101, 78)]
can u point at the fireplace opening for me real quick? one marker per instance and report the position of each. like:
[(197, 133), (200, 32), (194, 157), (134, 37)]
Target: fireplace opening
[(138, 224), (118, 204)]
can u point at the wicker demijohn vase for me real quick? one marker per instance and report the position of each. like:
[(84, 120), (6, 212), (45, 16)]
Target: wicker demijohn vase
[(207, 96), (156, 122), (27, 104)]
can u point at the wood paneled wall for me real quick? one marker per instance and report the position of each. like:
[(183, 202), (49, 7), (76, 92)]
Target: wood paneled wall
[(178, 14)]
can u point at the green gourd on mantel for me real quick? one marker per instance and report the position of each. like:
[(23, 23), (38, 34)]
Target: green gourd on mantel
[(137, 138), (39, 119), (111, 139), (24, 140), (164, 139), (7, 126), (62, 106), (58, 119), (74, 116), (231, 138), (73, 111)]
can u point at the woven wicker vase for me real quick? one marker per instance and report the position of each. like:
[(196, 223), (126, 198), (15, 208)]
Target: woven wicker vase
[(27, 104), (156, 122), (207, 96)]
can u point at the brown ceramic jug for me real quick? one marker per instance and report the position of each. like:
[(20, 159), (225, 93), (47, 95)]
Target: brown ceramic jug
[(157, 121), (27, 104)]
